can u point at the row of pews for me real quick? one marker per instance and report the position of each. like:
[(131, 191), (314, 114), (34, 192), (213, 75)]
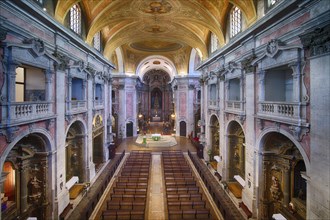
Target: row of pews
[(87, 205), (184, 196), (128, 198), (225, 205)]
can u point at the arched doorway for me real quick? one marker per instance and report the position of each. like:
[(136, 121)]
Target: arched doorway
[(26, 185), (284, 188), (75, 142), (129, 129), (98, 136), (215, 140), (183, 128)]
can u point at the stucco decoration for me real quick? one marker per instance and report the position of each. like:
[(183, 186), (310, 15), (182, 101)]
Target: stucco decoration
[(318, 40)]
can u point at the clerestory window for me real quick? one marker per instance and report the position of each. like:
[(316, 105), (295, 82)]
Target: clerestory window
[(235, 21), (75, 19), (97, 41), (214, 42)]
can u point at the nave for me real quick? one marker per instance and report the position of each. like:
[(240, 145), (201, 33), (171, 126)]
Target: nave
[(149, 183)]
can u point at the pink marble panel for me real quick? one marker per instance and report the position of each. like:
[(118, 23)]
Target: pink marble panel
[(129, 104), (183, 104)]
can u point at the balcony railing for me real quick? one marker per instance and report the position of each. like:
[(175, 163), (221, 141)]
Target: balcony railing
[(213, 103), (75, 106), (98, 103), (280, 110), (237, 106), (26, 111)]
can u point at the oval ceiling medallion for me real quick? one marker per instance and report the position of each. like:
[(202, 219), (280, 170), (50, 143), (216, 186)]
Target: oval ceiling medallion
[(156, 62), (155, 46)]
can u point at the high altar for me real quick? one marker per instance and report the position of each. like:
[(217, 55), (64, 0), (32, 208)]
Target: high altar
[(155, 96)]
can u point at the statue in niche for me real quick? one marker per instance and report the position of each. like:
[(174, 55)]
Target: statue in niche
[(156, 100), (236, 157), (34, 189), (275, 188)]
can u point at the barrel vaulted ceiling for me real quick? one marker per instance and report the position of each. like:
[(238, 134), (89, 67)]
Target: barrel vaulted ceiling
[(169, 28)]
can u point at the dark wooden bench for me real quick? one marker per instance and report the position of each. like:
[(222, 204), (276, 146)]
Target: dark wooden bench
[(123, 214), (124, 205), (129, 191), (133, 179), (182, 190), (132, 185), (189, 214), (186, 205), (245, 209), (66, 211)]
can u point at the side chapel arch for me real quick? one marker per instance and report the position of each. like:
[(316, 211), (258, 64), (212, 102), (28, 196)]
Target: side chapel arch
[(26, 176), (75, 151), (215, 140), (236, 150), (283, 184)]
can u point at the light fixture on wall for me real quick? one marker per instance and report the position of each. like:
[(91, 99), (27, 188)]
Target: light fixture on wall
[(173, 115)]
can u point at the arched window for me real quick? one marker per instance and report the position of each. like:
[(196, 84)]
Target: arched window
[(235, 21), (214, 42), (97, 41), (75, 19)]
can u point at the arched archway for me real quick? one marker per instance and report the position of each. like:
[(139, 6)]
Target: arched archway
[(183, 128), (283, 186), (236, 150), (215, 140), (75, 142), (26, 179), (98, 140)]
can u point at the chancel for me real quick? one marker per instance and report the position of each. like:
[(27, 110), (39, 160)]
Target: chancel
[(165, 109)]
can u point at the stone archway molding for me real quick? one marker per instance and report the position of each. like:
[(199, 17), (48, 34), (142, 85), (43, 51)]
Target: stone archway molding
[(45, 135), (156, 62), (266, 131)]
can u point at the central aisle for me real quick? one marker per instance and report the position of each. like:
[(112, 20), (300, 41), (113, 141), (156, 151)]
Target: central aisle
[(156, 193)]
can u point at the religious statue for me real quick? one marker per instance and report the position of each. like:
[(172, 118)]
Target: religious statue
[(155, 101), (275, 188), (35, 190)]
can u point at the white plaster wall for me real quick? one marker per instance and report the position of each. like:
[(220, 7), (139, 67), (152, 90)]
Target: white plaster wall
[(319, 190)]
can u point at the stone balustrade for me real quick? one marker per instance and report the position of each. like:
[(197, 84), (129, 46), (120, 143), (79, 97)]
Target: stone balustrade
[(237, 106), (284, 110), (76, 106), (25, 111), (98, 103)]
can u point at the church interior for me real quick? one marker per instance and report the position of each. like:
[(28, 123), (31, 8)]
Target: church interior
[(165, 109)]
